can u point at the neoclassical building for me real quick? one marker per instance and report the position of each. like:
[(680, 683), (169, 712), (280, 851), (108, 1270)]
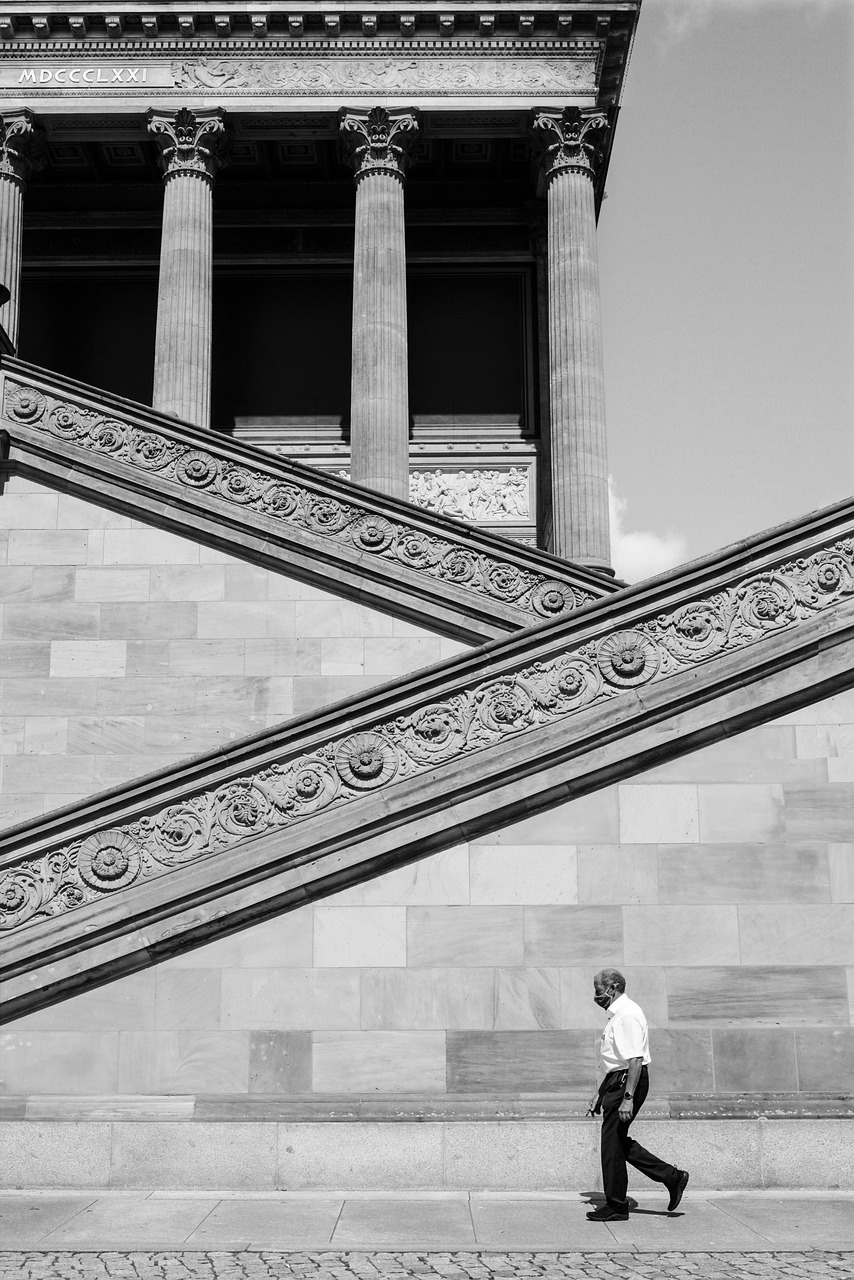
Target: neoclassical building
[(335, 760)]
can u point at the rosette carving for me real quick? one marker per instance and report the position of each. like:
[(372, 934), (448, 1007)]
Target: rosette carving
[(372, 533), (108, 860), (366, 760), (24, 403), (196, 468), (416, 550), (237, 484), (826, 576), (628, 658), (553, 598)]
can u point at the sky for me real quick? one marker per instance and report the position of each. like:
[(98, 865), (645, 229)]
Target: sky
[(726, 248)]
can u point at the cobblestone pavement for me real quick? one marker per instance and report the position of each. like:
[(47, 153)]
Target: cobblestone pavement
[(265, 1265)]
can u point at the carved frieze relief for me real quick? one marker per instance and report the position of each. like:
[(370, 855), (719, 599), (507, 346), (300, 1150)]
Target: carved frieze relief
[(488, 495), (475, 716)]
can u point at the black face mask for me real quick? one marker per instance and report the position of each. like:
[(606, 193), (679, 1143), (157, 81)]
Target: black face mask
[(604, 1000)]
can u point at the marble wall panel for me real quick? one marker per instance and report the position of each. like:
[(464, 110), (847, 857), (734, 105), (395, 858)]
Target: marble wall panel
[(187, 999), (24, 658), (741, 812), (754, 1060), (342, 657), (183, 1062), (427, 999), (281, 943), (437, 937), (53, 582), (313, 692), (441, 878), (776, 996), (180, 1157), (253, 695), (142, 696), (589, 819), (850, 976), (841, 863), (331, 617), (838, 709), (114, 771), (387, 657), (359, 936), (183, 735), (570, 936), (60, 775), (825, 740), (681, 935), (142, 546), (797, 935), (76, 513), (764, 754), (74, 1062), (246, 582), (681, 1060), (43, 622), (114, 585), (46, 735), (517, 874), (527, 1000), (12, 730), (361, 1156), (97, 735), (290, 999), (282, 656), (379, 1061), (660, 814), (16, 583), (820, 813), (280, 1062), (244, 619), (62, 546), (172, 620), (744, 872), (206, 657), (20, 807), (646, 986), (124, 1005), (30, 510), (92, 658), (826, 1059), (619, 874), (527, 1061), (187, 581)]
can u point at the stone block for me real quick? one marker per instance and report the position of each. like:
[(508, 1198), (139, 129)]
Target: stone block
[(342, 656), (12, 734), (112, 585), (206, 657), (54, 583), (820, 813), (183, 735), (280, 1062), (282, 587), (523, 1157), (427, 999), (92, 658), (837, 709), (194, 1156), (527, 1000), (450, 648), (311, 693), (29, 1217), (290, 999), (360, 1156), (101, 735), (59, 1061), (187, 582), (825, 740), (61, 775), (252, 695), (124, 1005), (840, 770), (16, 583), (148, 547), (741, 812), (244, 619), (115, 771), (567, 936), (441, 878), (403, 1225), (147, 658), (282, 656), (576, 1000), (841, 864), (333, 617), (183, 1062), (173, 620), (743, 873), (464, 936), (359, 936), (56, 1155), (589, 819), (387, 657), (506, 874), (29, 510), (60, 546), (95, 547), (25, 658), (802, 1154), (681, 1060), (773, 996), (187, 999), (754, 1061), (283, 942), (76, 513), (521, 1061), (620, 874), (46, 735), (21, 807), (379, 1061), (658, 814), (826, 1059), (718, 1153), (681, 935), (140, 1223), (797, 935), (44, 622), (142, 696), (763, 754), (246, 582)]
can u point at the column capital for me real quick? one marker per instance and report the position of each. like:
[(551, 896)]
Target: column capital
[(569, 140), (192, 143), (21, 146), (379, 140)]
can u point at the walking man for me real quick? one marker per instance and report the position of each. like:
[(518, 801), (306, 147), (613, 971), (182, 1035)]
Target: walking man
[(624, 1051)]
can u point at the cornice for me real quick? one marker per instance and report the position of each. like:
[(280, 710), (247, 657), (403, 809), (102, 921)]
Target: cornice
[(175, 859)]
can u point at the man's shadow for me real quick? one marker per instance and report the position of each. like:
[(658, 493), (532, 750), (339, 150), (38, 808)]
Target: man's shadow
[(596, 1199)]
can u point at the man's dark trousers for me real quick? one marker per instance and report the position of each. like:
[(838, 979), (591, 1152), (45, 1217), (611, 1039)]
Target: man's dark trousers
[(619, 1149)]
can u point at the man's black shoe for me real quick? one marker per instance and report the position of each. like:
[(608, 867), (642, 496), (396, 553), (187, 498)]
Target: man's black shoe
[(677, 1190), (606, 1214)]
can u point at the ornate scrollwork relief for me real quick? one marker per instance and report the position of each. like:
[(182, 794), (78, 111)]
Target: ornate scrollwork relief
[(292, 503), (476, 716), (379, 140), (570, 140), (192, 143)]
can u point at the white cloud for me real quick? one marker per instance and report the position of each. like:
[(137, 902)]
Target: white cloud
[(641, 553)]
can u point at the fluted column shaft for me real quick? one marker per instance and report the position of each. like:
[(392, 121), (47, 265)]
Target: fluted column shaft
[(379, 393), (191, 152), (18, 152), (577, 436)]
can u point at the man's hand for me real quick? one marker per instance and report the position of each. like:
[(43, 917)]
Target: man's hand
[(626, 1108), (594, 1102)]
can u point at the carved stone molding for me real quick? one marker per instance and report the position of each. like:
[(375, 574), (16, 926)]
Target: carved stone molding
[(21, 146), (379, 140), (519, 697), (192, 143), (292, 501), (569, 141)]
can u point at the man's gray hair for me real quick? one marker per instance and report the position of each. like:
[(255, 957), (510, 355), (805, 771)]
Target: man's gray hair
[(610, 978)]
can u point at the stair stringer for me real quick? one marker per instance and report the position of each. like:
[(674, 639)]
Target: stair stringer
[(176, 859)]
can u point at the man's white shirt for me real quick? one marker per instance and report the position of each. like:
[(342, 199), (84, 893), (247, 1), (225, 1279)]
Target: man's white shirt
[(626, 1035)]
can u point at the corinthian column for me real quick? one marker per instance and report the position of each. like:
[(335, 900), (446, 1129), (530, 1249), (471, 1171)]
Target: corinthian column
[(191, 144), (19, 154), (576, 439), (379, 400)]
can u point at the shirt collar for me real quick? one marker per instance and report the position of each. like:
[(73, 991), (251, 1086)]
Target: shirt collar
[(613, 1007)]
